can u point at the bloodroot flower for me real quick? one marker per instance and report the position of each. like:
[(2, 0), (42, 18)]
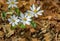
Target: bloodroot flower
[(35, 11), (25, 19), (13, 20), (12, 3)]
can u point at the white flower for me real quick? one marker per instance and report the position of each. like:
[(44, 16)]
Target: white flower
[(24, 19), (35, 11), (13, 20), (12, 3), (29, 14)]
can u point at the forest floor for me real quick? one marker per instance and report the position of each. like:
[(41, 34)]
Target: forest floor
[(48, 25)]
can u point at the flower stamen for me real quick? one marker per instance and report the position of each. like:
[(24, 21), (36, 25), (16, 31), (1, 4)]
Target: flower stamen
[(35, 11), (24, 19), (12, 2), (13, 20)]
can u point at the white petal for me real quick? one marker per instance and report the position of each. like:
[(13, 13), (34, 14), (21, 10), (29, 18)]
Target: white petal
[(10, 23), (21, 21), (17, 20), (13, 24), (29, 20), (12, 6), (16, 23), (40, 12), (14, 17), (9, 20), (30, 12), (36, 15), (28, 16), (24, 23), (22, 15), (28, 23), (15, 5), (9, 6), (38, 8), (33, 7)]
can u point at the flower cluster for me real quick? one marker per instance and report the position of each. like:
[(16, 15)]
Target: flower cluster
[(23, 18)]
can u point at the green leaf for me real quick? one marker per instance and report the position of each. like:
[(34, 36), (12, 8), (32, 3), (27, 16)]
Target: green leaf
[(22, 26), (3, 15), (17, 11), (33, 24), (13, 27)]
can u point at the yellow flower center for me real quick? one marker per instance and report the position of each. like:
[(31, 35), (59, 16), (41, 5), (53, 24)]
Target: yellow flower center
[(35, 11), (13, 20), (29, 14), (12, 2), (24, 19)]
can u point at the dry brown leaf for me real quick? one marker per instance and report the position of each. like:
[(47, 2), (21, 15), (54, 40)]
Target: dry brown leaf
[(1, 34), (8, 28), (47, 37), (32, 30), (34, 39), (2, 1)]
